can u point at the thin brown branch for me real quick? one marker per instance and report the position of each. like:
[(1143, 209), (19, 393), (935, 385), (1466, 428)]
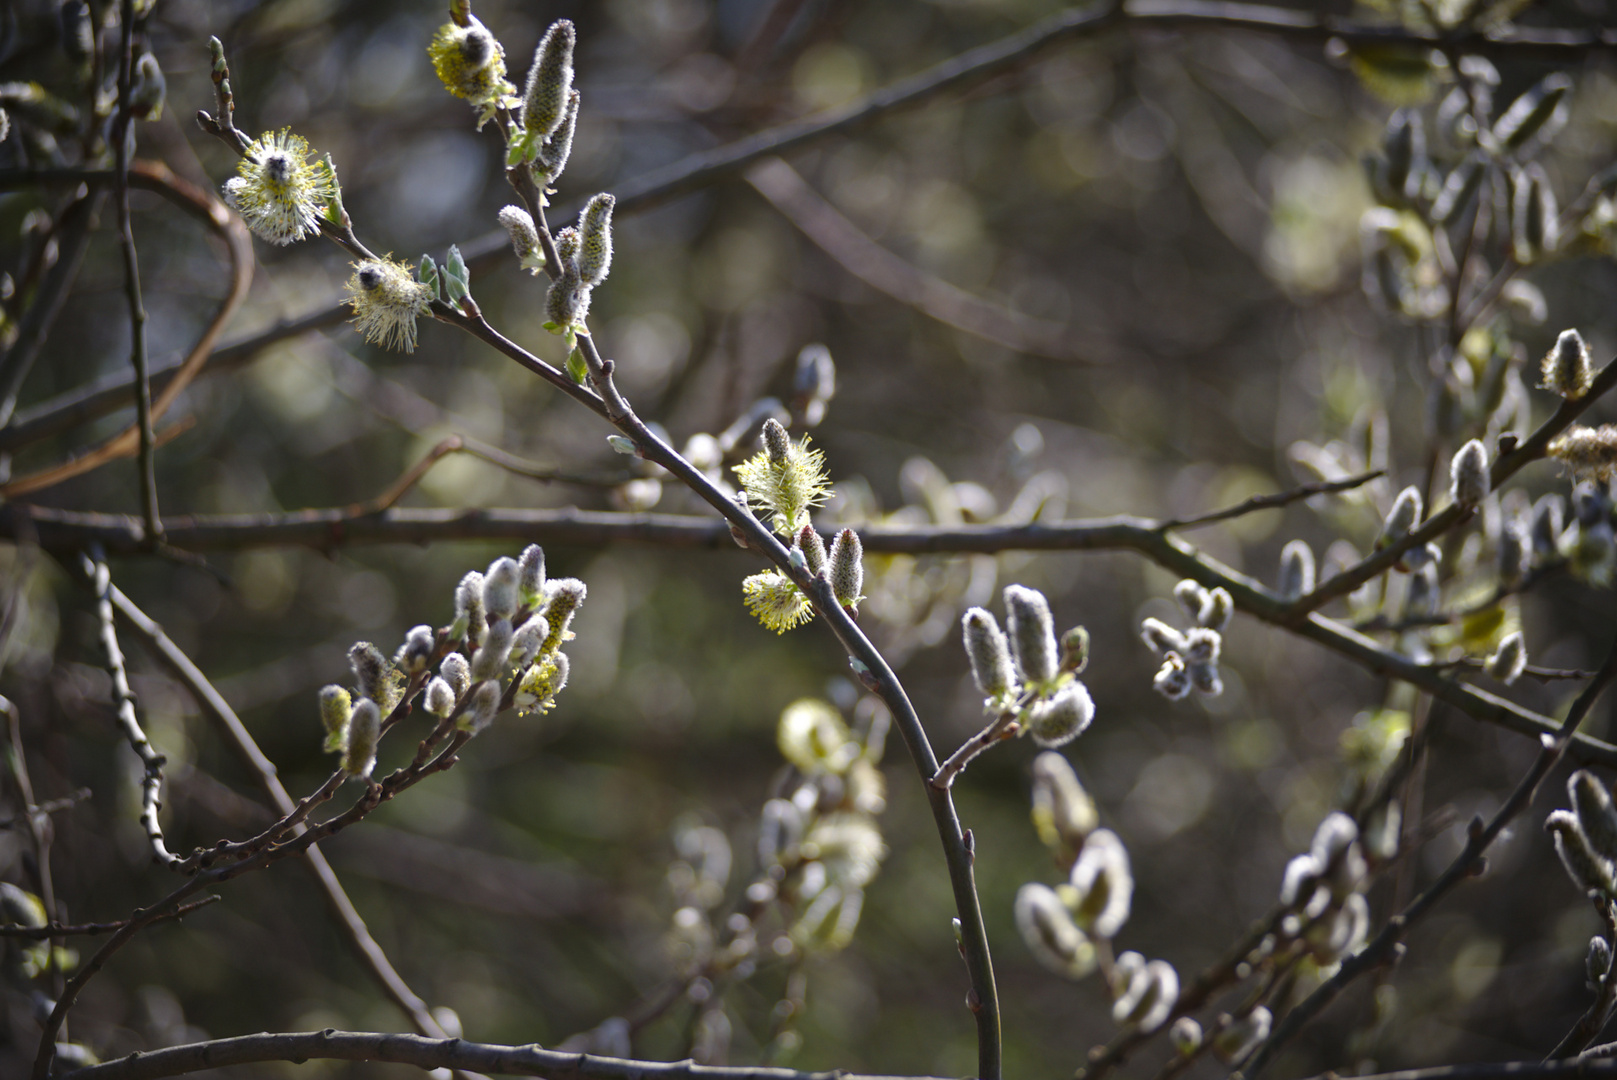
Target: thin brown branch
[(1594, 1018), (530, 1060), (56, 929), (152, 762), (885, 272), (224, 718), (1003, 727), (238, 245), (1466, 864), (1273, 502)]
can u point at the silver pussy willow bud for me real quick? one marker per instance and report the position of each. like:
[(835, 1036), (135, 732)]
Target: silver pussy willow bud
[(489, 661), (776, 442), (371, 670), (1296, 570), (1103, 885), (1032, 633), (1588, 871), (1062, 718), (1172, 681), (1075, 650), (549, 79), (563, 597), (440, 699), (526, 642), (417, 650), (524, 237), (335, 707), (1549, 515), (1597, 817), (485, 705), (1240, 1037), (1509, 660), (1567, 368), (1205, 678), (1597, 962), (1063, 813), (531, 582), (1402, 518), (500, 588), (1216, 609), (558, 145), (364, 731), (1535, 216), (1050, 934), (470, 621), (1186, 1036), (595, 239), (567, 303), (813, 549), (1469, 482), (456, 672), (846, 564), (1515, 551), (1191, 596), (1202, 646), (1162, 638), (1150, 997), (989, 653)]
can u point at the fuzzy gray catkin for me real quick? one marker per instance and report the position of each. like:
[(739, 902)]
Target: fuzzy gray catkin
[(595, 239), (847, 568), (1032, 634), (550, 79)]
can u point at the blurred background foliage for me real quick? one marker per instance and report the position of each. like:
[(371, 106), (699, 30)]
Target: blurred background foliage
[(1182, 206)]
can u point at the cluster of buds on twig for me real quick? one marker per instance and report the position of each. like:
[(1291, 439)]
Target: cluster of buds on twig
[(1586, 836), (1062, 925), (503, 649), (1190, 657), (1029, 679), (1327, 915)]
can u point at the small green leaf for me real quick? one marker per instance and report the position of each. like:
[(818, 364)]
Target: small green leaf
[(457, 279), (334, 211), (576, 367), (428, 274), (521, 148), (554, 328)]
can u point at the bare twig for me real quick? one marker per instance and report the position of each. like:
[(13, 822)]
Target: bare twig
[(121, 139), (1381, 950), (152, 762), (1003, 727), (56, 929), (879, 268), (1272, 502), (218, 710), (330, 1044)]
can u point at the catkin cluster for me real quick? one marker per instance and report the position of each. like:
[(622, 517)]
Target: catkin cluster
[(1026, 670), (1190, 657)]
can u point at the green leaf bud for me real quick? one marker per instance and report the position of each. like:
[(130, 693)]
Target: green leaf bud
[(1534, 219), (595, 239), (531, 580), (549, 79), (989, 652), (484, 707), (1402, 518), (335, 707), (216, 53), (1162, 638), (1051, 935), (1508, 662), (847, 569), (1240, 1037), (1597, 817), (808, 541), (1186, 1036), (1075, 650), (489, 661), (1172, 681), (1058, 720), (416, 652), (1103, 885), (1296, 570), (1567, 369), (457, 278), (456, 672), (427, 274), (364, 732), (1540, 112), (470, 620), (1469, 482), (439, 698), (557, 147), (1031, 630), (1588, 871), (500, 587)]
